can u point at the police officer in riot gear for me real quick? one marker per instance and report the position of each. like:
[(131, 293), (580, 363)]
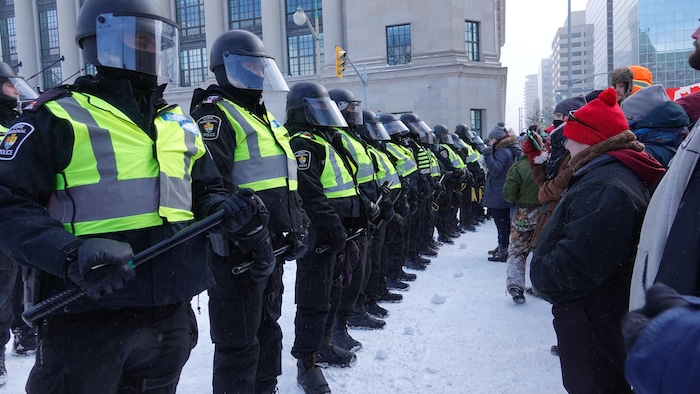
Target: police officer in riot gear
[(106, 157), (332, 201), (251, 149), (453, 165)]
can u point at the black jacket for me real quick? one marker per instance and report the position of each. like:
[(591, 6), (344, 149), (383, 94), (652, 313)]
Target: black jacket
[(285, 207), (34, 239), (589, 244)]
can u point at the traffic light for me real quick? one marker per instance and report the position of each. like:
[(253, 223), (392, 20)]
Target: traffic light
[(339, 61)]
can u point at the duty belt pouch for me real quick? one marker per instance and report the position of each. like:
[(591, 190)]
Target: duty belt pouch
[(31, 278), (219, 244)]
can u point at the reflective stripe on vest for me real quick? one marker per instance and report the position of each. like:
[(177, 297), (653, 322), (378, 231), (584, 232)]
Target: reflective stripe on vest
[(453, 157), (3, 130), (434, 165), (472, 155), (127, 188), (405, 164), (386, 171), (263, 158), (365, 167), (336, 180), (423, 161)]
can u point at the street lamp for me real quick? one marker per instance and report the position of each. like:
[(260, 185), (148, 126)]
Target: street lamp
[(299, 19)]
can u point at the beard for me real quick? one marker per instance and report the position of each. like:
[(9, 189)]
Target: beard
[(694, 58)]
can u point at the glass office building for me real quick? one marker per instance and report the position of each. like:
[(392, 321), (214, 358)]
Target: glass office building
[(664, 40)]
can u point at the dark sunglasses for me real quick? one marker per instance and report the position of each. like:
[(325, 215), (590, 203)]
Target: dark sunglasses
[(577, 120)]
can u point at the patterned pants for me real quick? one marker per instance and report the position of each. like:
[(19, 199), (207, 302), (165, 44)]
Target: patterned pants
[(522, 226)]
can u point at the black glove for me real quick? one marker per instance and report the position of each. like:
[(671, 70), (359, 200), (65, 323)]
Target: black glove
[(373, 210), (403, 207), (259, 245), (384, 189), (297, 243), (101, 266), (387, 208), (660, 298), (239, 210), (333, 239)]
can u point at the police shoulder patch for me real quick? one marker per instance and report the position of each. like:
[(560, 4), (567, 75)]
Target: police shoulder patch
[(209, 125), (13, 140), (212, 99), (303, 159)]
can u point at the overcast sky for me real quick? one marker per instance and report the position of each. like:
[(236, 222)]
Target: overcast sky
[(530, 30)]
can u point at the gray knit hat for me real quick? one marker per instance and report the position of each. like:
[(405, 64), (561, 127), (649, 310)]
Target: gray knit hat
[(498, 132)]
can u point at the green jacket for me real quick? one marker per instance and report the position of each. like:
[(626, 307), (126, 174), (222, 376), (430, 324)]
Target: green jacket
[(520, 187)]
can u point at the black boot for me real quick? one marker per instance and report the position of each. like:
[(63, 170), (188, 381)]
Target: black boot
[(396, 284), (501, 255), (517, 294), (364, 321), (333, 356), (406, 277), (374, 310), (310, 377), (413, 264), (340, 336), (3, 370), (24, 342), (445, 239)]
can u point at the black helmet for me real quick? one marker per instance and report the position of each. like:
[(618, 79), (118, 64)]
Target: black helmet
[(414, 124), (462, 131), (21, 92), (239, 58), (393, 126), (372, 129), (442, 134), (133, 35), (348, 105), (308, 103)]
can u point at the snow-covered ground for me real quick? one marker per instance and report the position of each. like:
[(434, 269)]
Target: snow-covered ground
[(456, 331)]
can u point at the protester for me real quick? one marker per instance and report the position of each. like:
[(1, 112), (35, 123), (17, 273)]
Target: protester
[(582, 262)]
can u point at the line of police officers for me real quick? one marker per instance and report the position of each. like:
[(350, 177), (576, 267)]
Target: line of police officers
[(352, 197)]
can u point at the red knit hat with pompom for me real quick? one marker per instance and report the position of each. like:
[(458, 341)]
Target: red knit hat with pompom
[(596, 121)]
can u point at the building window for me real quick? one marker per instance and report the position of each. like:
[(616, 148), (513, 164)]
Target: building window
[(301, 44), (476, 119), (398, 44), (190, 17), (245, 14), (193, 67), (471, 39), (8, 38), (193, 44), (48, 27), (49, 44), (52, 76)]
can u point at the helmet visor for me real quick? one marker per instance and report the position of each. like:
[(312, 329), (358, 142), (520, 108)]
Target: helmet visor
[(396, 126), (254, 73), (144, 45), (26, 93), (456, 141), (377, 131), (323, 112), (352, 111), (419, 127), (427, 137)]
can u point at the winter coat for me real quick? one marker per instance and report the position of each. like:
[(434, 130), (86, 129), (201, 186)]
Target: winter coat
[(662, 130), (664, 358), (497, 161), (588, 245), (520, 187), (672, 214), (550, 190)]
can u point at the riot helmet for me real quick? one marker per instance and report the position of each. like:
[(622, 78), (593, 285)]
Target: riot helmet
[(372, 129), (442, 134), (393, 126), (417, 127), (462, 131), (14, 89), (131, 35), (348, 105), (308, 103), (238, 58), (478, 143)]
